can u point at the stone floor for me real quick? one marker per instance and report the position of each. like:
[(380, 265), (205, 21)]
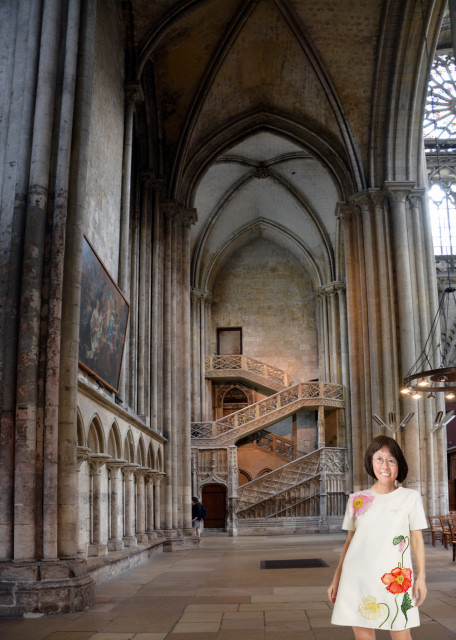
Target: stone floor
[(219, 592)]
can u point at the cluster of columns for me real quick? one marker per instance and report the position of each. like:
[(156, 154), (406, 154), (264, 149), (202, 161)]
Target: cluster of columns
[(124, 503), (391, 300)]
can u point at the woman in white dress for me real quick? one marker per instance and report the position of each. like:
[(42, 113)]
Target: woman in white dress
[(374, 586)]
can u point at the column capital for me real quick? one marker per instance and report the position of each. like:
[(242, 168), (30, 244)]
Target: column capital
[(344, 210), (133, 92), (82, 453), (330, 289), (399, 191), (97, 460), (115, 463), (129, 468), (170, 209), (189, 217)]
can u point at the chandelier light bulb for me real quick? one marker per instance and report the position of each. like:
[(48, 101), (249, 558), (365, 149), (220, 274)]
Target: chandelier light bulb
[(417, 395), (432, 395), (449, 396), (406, 391), (423, 382)]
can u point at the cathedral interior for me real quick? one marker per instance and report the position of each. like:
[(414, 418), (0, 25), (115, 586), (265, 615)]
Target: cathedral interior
[(217, 265)]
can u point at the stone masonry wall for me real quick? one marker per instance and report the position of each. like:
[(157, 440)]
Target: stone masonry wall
[(264, 290)]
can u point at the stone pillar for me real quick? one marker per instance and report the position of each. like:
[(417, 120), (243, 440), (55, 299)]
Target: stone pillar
[(233, 484), (149, 480), (408, 323), (115, 542), (189, 217), (129, 538), (158, 477), (133, 94), (141, 534), (197, 356), (99, 533), (321, 427), (167, 209)]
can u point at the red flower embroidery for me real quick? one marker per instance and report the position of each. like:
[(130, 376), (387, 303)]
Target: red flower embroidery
[(360, 503), (399, 580)]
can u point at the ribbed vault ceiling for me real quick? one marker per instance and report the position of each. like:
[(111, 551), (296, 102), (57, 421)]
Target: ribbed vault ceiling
[(262, 114)]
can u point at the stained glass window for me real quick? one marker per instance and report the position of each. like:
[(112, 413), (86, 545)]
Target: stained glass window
[(440, 126), (440, 110)]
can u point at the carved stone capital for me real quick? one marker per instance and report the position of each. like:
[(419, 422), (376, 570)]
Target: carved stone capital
[(133, 92)]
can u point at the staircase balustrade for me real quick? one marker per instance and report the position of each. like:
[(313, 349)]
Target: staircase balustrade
[(229, 429), (297, 488), (249, 365)]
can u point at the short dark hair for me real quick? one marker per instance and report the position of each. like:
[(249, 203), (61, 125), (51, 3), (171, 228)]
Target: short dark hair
[(395, 450), (194, 499)]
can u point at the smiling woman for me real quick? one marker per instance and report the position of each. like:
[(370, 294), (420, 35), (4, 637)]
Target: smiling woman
[(383, 522)]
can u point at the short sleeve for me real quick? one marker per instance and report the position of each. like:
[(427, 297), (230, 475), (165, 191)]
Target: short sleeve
[(349, 521), (417, 517)]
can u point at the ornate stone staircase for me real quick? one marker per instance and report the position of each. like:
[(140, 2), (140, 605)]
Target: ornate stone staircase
[(244, 369), (295, 489), (305, 494), (228, 430)]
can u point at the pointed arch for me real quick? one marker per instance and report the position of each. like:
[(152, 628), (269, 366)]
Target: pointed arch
[(95, 438), (150, 457), (129, 447), (114, 441), (141, 452), (80, 429), (159, 460)]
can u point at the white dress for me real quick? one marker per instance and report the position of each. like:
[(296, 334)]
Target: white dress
[(375, 588)]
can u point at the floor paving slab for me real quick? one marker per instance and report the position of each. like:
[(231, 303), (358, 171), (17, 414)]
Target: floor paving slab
[(218, 591)]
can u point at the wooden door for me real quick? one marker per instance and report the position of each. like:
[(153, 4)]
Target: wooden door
[(214, 499)]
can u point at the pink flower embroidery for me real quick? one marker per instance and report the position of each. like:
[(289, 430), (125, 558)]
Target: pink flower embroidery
[(401, 545), (360, 503)]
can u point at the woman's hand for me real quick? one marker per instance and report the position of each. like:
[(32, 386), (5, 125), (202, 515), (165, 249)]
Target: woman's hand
[(332, 591), (419, 590)]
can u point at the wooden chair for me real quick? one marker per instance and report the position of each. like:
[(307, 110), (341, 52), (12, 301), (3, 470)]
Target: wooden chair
[(446, 529), (435, 525), (452, 527)]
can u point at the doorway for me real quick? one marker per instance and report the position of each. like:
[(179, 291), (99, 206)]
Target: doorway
[(229, 341), (214, 499)]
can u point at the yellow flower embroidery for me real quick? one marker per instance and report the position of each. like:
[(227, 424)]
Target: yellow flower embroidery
[(371, 609)]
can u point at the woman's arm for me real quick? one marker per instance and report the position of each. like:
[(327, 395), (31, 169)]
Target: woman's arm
[(334, 586), (419, 590)]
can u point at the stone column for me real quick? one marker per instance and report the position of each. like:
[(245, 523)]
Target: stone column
[(69, 346), (233, 484), (133, 94), (408, 324), (168, 209), (156, 345), (28, 402), (115, 542), (149, 480), (189, 217), (129, 538), (98, 545), (141, 535), (158, 477), (206, 333), (321, 427), (196, 356)]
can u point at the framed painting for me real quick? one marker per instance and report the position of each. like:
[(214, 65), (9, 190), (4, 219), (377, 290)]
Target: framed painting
[(103, 321)]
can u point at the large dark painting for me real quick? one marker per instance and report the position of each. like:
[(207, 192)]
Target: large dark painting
[(103, 321)]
